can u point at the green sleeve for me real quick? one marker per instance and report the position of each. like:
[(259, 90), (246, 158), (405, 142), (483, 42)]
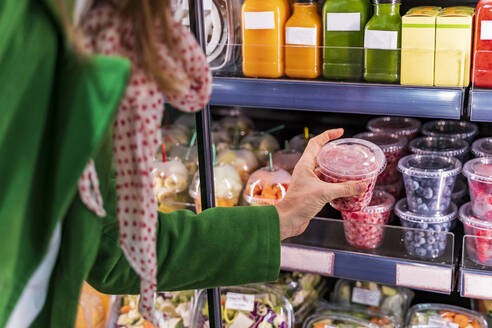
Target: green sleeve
[(219, 247)]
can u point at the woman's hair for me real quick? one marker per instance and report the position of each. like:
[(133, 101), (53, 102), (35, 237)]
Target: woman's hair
[(144, 15)]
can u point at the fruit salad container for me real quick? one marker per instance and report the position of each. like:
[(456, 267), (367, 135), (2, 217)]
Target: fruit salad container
[(336, 320), (245, 307), (441, 146), (242, 123), (174, 135), (378, 319), (170, 181), (221, 139), (429, 182), (479, 174), (351, 159), (243, 160), (228, 187), (387, 300), (396, 189), (186, 154), (479, 249), (286, 159), (404, 126), (365, 229), (443, 315), (482, 147), (267, 186), (428, 238), (261, 144), (393, 147), (299, 142), (455, 129)]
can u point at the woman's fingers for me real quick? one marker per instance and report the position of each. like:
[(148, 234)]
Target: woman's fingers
[(308, 159), (346, 189)]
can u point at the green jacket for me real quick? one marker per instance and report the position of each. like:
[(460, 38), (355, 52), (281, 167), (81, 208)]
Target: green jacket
[(57, 112)]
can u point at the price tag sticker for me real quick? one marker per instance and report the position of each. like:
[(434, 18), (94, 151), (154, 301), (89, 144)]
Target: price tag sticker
[(387, 40), (477, 286), (345, 22), (366, 296), (486, 30), (240, 302), (424, 277), (307, 260), (263, 20), (438, 322)]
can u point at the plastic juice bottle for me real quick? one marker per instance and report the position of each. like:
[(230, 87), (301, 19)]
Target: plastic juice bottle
[(303, 40), (482, 70), (263, 35), (343, 38), (382, 42)]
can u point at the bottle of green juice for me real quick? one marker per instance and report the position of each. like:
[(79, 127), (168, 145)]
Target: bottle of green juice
[(343, 38), (382, 43)]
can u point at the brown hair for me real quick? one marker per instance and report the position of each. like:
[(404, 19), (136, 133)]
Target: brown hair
[(144, 16)]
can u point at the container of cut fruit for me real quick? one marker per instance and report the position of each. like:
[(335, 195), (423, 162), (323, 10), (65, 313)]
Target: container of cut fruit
[(336, 320), (479, 174), (261, 144), (478, 248), (379, 319), (267, 186), (442, 315), (170, 181)]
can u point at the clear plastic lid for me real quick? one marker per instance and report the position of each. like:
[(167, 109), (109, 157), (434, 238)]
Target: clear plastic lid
[(442, 146), (381, 202), (351, 158), (482, 147), (403, 212), (244, 123), (267, 187), (227, 182), (286, 159), (429, 166), (261, 144), (397, 125), (241, 159), (336, 320), (174, 135), (379, 319), (460, 189), (446, 128), (468, 218), (169, 177), (479, 169), (299, 142), (245, 307), (443, 315), (221, 139), (388, 142)]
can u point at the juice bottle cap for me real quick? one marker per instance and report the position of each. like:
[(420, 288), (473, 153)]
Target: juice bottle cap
[(377, 2)]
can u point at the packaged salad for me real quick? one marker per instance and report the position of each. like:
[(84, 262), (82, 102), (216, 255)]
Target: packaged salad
[(250, 306), (336, 320), (444, 316), (392, 301), (379, 319), (175, 308)]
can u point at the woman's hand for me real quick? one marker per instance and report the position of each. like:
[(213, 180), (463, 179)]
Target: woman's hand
[(307, 194)]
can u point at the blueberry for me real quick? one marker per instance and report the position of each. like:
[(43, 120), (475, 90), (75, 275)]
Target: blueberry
[(409, 235), (424, 226), (434, 253), (419, 200), (422, 208), (431, 240), (420, 252), (428, 193), (415, 185), (442, 245)]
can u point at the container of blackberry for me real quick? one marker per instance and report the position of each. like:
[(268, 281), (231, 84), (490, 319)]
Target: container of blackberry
[(441, 146), (482, 147), (429, 182), (427, 237), (454, 129)]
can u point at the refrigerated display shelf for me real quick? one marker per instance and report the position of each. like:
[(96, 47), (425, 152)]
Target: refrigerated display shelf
[(349, 98), (481, 105), (322, 249)]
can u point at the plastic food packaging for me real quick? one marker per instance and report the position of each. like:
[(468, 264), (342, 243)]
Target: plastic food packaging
[(175, 308), (261, 144), (365, 228), (247, 306), (393, 147), (243, 123), (379, 319), (351, 160), (299, 142), (482, 147), (479, 174), (431, 240), (221, 139), (441, 146), (336, 320), (479, 249), (396, 189), (186, 154), (429, 182), (228, 187), (267, 186), (174, 135), (443, 315), (186, 120), (408, 127), (388, 300), (243, 160), (455, 129), (170, 181), (460, 192), (286, 159)]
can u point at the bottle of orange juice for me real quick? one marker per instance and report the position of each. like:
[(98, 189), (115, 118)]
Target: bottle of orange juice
[(262, 24), (303, 40)]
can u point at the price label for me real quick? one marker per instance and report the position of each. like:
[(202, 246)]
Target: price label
[(310, 260), (424, 277), (343, 22), (387, 40), (304, 36), (486, 30), (263, 20), (240, 302), (366, 297), (477, 286), (438, 322)]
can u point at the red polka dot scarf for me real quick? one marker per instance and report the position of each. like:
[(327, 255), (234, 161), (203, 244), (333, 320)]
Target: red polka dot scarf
[(136, 136)]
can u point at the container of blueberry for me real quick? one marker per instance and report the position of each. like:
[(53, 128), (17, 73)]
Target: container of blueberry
[(428, 237), (455, 129), (402, 126), (429, 182), (441, 146), (479, 174), (482, 147)]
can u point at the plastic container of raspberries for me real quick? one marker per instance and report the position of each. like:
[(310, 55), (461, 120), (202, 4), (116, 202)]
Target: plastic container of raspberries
[(351, 159), (365, 229), (479, 249), (393, 147), (479, 174), (482, 147), (404, 126), (429, 182), (267, 186), (441, 146), (455, 129), (430, 241)]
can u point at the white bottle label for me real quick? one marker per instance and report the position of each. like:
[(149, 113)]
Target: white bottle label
[(304, 36), (366, 297), (486, 33), (240, 302), (263, 20), (387, 40), (343, 21)]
